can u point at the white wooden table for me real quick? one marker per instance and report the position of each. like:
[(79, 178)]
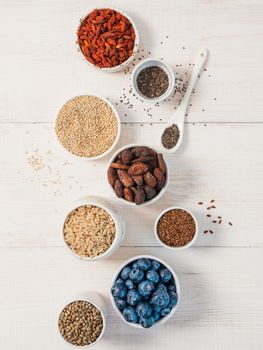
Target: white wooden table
[(221, 159)]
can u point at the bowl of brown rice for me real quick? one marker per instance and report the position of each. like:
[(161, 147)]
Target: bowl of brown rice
[(92, 229), (88, 126)]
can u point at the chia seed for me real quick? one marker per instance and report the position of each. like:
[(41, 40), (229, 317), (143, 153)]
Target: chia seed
[(170, 136), (152, 82)]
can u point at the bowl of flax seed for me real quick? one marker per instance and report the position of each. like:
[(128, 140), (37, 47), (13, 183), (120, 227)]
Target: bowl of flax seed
[(176, 228)]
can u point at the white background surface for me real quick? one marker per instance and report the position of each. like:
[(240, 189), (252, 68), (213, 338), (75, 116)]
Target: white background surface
[(221, 158)]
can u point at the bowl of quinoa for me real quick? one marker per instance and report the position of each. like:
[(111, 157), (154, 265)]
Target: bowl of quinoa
[(88, 126)]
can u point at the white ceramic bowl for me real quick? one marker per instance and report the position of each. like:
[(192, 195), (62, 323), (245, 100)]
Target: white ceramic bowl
[(166, 245), (149, 62), (118, 220), (135, 48), (117, 136), (159, 195), (95, 299), (178, 290)]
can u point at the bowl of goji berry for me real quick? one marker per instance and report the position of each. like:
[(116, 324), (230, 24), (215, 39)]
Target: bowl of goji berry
[(108, 39)]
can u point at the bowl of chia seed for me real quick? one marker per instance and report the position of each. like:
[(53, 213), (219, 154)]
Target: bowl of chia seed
[(153, 80)]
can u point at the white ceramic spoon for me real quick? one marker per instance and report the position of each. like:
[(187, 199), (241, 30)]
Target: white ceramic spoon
[(178, 117)]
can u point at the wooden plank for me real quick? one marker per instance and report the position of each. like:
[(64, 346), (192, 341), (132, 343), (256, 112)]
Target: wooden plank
[(221, 306), (218, 161), (45, 62)]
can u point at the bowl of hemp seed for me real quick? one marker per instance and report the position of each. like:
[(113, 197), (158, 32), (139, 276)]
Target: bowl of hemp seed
[(88, 126)]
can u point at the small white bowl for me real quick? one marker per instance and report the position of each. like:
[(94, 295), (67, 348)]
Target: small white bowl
[(166, 245), (117, 136), (159, 195), (135, 48), (178, 290), (95, 299), (150, 62), (118, 220)]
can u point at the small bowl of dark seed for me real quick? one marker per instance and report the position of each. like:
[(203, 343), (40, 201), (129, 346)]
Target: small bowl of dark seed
[(176, 228), (81, 322), (153, 80)]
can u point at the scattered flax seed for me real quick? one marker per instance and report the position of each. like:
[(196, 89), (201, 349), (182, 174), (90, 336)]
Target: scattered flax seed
[(212, 201), (208, 208), (208, 215), (230, 223), (200, 203), (86, 126), (210, 231), (214, 221), (213, 206), (219, 221), (205, 231)]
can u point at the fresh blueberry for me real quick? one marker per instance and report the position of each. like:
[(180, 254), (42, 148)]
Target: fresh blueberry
[(144, 264), (165, 311), (119, 290), (147, 322), (133, 297), (143, 309), (152, 276), (130, 315), (125, 272), (161, 286), (155, 265), (156, 316), (160, 298), (156, 309), (172, 288), (173, 299), (119, 280), (135, 265), (146, 288), (129, 284), (165, 275), (120, 303), (136, 275)]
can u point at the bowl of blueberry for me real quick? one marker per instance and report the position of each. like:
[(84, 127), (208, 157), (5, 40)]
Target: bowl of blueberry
[(145, 291)]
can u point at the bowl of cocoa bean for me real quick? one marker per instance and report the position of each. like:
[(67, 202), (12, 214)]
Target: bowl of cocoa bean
[(107, 39), (138, 174), (176, 228)]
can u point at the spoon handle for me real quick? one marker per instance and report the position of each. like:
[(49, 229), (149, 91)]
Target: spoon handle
[(199, 64)]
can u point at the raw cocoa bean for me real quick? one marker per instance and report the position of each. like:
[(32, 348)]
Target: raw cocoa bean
[(152, 165), (139, 196), (119, 166), (138, 169), (112, 176), (125, 179), (118, 188), (128, 195), (138, 179), (160, 179), (150, 192), (143, 159), (150, 179), (161, 162), (126, 156), (141, 151)]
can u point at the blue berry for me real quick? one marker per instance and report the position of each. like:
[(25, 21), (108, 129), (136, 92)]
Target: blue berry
[(161, 286), (129, 284), (143, 309), (160, 298), (156, 309), (173, 299), (165, 311), (144, 264), (146, 288), (119, 280), (152, 276), (125, 272), (130, 315), (147, 322), (133, 297), (156, 316), (119, 290), (135, 265), (120, 303), (172, 288), (155, 265), (136, 275), (165, 275)]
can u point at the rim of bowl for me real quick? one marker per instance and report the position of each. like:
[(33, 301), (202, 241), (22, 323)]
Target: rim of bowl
[(103, 319), (118, 129), (166, 245), (169, 71), (177, 284), (94, 201), (135, 47), (163, 190)]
